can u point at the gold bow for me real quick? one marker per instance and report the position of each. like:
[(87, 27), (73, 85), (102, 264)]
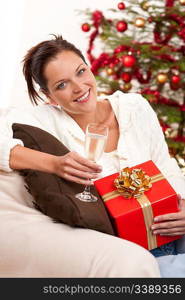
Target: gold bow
[(132, 183)]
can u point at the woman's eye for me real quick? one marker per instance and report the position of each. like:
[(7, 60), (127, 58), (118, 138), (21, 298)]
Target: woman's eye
[(81, 71), (61, 85)]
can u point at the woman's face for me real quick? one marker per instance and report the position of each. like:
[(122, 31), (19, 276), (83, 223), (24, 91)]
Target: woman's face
[(71, 83)]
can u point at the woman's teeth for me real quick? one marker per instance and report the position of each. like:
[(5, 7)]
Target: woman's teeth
[(83, 97)]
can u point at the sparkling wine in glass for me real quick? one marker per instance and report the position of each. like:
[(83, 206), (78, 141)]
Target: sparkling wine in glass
[(95, 142)]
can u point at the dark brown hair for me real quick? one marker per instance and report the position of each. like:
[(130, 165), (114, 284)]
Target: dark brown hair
[(36, 59)]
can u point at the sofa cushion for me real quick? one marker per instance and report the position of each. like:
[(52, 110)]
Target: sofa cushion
[(55, 196)]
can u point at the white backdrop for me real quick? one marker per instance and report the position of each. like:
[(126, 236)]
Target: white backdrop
[(23, 23)]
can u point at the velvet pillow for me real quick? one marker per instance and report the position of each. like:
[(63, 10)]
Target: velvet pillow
[(55, 196)]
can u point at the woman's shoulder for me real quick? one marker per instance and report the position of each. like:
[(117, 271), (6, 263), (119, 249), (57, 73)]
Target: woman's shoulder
[(129, 100), (130, 108), (132, 103), (41, 116), (25, 111)]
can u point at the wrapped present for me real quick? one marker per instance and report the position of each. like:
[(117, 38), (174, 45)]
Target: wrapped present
[(133, 198)]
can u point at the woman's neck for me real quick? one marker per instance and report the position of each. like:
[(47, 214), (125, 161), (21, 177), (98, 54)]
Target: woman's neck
[(103, 115)]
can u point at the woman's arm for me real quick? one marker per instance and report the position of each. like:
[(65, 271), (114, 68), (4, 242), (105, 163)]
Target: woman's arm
[(70, 166), (14, 156), (25, 158)]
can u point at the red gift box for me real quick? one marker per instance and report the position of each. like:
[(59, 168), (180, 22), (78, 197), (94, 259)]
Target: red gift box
[(133, 217)]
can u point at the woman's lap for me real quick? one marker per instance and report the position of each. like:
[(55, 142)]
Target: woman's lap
[(32, 245), (40, 248), (166, 249)]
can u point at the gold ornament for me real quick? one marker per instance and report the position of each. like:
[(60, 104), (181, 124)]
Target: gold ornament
[(126, 87), (110, 71), (132, 183), (182, 2), (139, 22), (145, 5), (171, 133), (162, 77), (103, 94)]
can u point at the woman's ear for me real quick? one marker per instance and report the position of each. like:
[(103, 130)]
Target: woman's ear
[(49, 99)]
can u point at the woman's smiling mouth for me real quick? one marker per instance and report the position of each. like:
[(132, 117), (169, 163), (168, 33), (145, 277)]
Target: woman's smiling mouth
[(83, 98)]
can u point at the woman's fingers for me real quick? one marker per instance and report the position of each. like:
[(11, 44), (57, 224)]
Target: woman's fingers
[(170, 217), (86, 163), (75, 168), (77, 179), (170, 224), (171, 231), (80, 174), (76, 165), (167, 217)]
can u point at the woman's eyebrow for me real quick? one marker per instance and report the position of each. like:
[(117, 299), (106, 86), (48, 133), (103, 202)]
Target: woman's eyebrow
[(79, 66), (64, 78)]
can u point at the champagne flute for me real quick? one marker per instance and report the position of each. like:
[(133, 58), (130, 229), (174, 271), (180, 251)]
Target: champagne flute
[(95, 141)]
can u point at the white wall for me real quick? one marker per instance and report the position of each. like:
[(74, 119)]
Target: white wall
[(11, 16), (24, 23)]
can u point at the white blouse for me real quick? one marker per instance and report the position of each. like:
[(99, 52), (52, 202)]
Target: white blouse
[(141, 138)]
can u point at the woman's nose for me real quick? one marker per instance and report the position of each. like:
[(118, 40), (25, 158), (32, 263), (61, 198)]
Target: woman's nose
[(77, 87)]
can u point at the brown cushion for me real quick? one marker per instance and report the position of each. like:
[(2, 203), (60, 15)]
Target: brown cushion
[(53, 195)]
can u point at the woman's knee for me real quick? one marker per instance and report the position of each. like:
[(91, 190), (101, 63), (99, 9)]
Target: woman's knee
[(121, 258)]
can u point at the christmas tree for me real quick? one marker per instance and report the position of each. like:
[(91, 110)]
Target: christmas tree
[(143, 51)]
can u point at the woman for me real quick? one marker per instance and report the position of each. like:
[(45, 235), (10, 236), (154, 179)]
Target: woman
[(135, 136)]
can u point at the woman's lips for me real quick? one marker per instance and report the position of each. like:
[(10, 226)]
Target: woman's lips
[(83, 98)]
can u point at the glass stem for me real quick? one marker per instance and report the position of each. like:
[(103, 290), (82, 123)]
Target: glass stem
[(87, 189)]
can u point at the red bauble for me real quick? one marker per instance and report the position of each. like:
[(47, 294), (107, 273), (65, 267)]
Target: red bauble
[(174, 86), (121, 26), (182, 108), (150, 20), (126, 77), (121, 48), (128, 60), (97, 17), (85, 27), (175, 79), (121, 5)]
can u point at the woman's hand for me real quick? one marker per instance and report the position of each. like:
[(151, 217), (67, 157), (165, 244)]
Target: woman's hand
[(76, 168), (171, 224)]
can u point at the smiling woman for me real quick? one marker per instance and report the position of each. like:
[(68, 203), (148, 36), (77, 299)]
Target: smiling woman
[(135, 136), (70, 84)]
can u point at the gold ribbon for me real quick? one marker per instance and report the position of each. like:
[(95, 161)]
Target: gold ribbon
[(146, 209), (148, 219)]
